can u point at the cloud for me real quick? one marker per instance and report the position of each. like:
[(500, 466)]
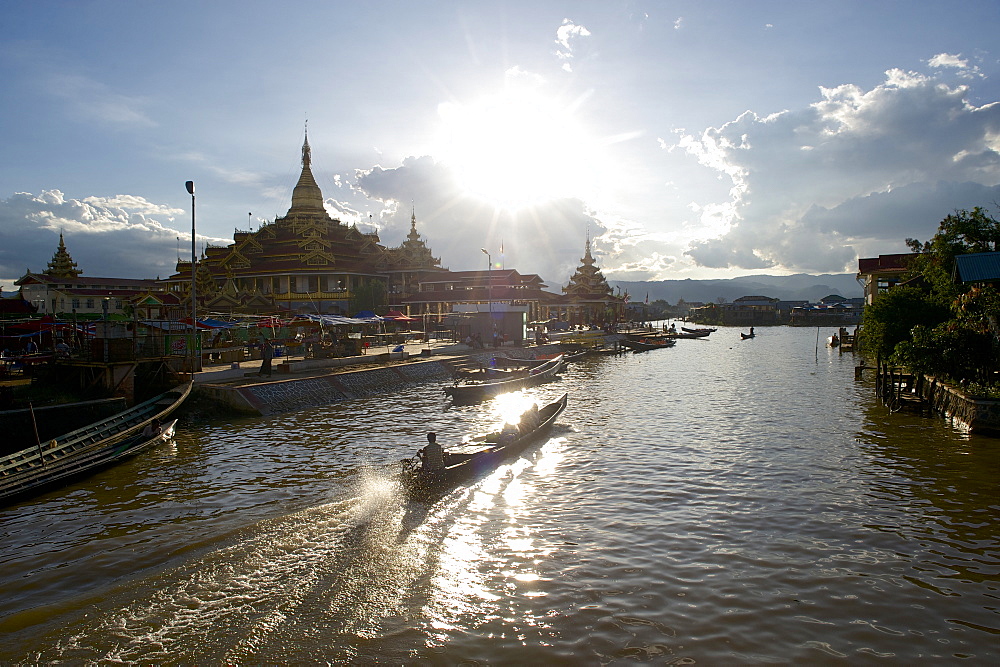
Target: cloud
[(956, 61), (124, 236), (854, 173), (236, 176), (913, 209), (547, 239), (97, 101), (129, 236), (56, 75), (568, 36), (948, 60)]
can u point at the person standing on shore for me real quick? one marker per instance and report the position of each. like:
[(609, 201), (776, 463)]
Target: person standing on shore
[(267, 354)]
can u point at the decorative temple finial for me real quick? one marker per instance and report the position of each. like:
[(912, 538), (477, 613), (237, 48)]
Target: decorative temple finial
[(306, 195), (306, 151)]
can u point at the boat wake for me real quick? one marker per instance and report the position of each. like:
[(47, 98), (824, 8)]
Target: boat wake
[(354, 568), (336, 568)]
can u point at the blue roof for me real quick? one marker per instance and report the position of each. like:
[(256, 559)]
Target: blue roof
[(976, 267)]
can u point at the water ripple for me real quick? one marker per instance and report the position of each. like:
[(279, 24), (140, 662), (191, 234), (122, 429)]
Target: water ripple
[(723, 501)]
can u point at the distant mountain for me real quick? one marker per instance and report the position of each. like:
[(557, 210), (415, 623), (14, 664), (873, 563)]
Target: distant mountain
[(797, 287)]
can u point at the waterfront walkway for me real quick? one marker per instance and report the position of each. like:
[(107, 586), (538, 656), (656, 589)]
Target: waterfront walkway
[(297, 366), (296, 383)]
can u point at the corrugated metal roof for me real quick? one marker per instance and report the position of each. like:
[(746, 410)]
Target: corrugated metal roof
[(978, 267)]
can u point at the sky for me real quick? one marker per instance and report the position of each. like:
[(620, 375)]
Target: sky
[(695, 139)]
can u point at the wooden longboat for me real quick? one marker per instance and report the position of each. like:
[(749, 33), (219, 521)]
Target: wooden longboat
[(89, 448), (493, 373), (483, 454), (648, 344), (513, 362), (470, 392), (687, 334), (709, 330), (704, 333)]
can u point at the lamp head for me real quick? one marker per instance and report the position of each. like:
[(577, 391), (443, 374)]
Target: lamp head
[(190, 187)]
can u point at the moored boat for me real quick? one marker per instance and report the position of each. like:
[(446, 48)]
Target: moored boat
[(89, 448), (468, 392), (704, 331), (688, 334), (648, 344), (480, 455), (513, 362)]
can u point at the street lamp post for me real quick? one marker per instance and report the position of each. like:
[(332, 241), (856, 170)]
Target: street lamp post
[(104, 307), (489, 280), (489, 292), (194, 298)]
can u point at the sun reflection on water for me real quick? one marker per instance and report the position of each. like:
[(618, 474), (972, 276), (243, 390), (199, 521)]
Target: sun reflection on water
[(493, 518)]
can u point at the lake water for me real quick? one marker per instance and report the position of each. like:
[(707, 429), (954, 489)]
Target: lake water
[(721, 501)]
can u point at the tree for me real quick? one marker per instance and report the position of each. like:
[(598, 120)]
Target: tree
[(368, 295), (935, 325), (950, 350), (659, 309), (960, 233), (979, 307), (892, 315)]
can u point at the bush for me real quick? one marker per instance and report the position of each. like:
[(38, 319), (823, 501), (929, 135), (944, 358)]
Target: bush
[(950, 350), (893, 315)]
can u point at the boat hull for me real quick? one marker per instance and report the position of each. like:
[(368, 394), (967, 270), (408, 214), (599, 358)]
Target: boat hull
[(87, 449), (646, 345), (473, 392), (463, 466), (31, 482)]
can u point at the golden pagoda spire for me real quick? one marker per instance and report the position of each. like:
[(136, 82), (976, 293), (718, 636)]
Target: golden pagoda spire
[(306, 151), (306, 195)]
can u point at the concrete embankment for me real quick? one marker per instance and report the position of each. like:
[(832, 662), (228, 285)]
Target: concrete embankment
[(296, 393), (977, 414), (306, 383)]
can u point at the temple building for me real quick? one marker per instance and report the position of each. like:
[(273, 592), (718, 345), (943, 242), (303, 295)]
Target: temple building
[(304, 262), (309, 262), (62, 289), (588, 299), (407, 266), (446, 292), (513, 300)]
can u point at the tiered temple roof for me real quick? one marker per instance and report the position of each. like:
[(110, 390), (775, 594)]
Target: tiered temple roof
[(307, 237), (588, 283), (412, 255), (61, 264), (304, 260)]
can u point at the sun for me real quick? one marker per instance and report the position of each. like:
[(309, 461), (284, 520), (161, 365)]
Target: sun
[(518, 147)]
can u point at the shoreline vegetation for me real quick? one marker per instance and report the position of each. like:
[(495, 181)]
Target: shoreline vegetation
[(934, 323), (941, 326)]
